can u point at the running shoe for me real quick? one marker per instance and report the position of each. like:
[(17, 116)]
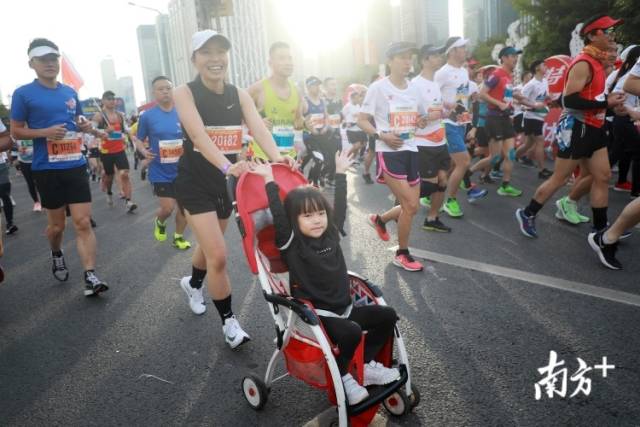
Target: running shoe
[(130, 206), (93, 222), (59, 268), (425, 201), (11, 228), (93, 285), (37, 207), (380, 227), (407, 262), (496, 174), (622, 186), (606, 253), (233, 333), (527, 223), (624, 236), (486, 179), (527, 162), (159, 230), (476, 194), (109, 199), (375, 373), (367, 178), (544, 173), (464, 187), (180, 243), (509, 190), (567, 210), (354, 392), (452, 208), (435, 225), (143, 174), (194, 296)]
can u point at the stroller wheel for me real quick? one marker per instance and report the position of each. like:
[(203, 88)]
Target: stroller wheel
[(398, 404), (255, 391), (415, 396)]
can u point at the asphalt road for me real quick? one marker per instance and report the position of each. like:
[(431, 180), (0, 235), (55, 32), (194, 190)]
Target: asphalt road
[(477, 326)]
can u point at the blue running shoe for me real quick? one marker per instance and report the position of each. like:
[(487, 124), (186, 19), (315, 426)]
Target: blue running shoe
[(475, 194), (527, 223)]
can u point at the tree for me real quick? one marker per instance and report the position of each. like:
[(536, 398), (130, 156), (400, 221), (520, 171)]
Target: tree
[(552, 22), (4, 112), (482, 51)]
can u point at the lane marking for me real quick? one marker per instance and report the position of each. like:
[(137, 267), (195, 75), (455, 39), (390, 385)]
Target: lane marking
[(538, 279)]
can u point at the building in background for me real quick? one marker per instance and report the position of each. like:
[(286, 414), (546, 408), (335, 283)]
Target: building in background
[(108, 71), (420, 21), (162, 31), (125, 91), (150, 57), (182, 23), (484, 19)]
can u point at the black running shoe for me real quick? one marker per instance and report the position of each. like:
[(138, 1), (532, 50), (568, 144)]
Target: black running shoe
[(11, 229), (59, 268), (435, 225), (93, 223), (544, 174), (606, 253), (143, 174), (93, 285), (367, 178), (486, 179)]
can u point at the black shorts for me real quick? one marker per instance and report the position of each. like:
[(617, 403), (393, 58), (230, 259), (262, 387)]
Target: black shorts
[(196, 197), (355, 136), (119, 160), (499, 128), (585, 140), (403, 165), (518, 123), (94, 153), (432, 160), (533, 127), (482, 139), (164, 189), (59, 187)]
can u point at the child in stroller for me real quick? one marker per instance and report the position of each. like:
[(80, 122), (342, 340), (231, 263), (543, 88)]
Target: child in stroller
[(307, 233)]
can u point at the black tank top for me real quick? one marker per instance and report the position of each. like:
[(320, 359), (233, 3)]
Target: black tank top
[(215, 110)]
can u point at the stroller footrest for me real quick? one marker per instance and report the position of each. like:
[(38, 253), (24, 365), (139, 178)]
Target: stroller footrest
[(379, 393)]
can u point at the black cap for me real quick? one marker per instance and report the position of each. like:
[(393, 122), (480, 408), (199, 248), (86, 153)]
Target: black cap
[(429, 50), (396, 48), (108, 94), (313, 80), (509, 50)]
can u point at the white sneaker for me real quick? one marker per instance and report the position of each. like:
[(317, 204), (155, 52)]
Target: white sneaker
[(131, 206), (37, 207), (196, 300), (354, 391), (110, 199), (233, 333), (376, 373)]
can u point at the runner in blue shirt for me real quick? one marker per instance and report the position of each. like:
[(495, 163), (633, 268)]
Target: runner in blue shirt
[(49, 113), (162, 128)]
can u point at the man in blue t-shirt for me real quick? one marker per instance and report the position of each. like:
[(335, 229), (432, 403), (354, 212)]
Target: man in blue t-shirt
[(49, 113), (161, 126)]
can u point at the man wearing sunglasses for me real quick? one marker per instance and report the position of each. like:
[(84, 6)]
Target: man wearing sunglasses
[(112, 148), (581, 138)]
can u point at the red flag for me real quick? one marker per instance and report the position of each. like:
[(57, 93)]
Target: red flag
[(70, 75)]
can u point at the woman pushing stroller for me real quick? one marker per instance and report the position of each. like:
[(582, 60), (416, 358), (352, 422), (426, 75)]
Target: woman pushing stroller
[(308, 236)]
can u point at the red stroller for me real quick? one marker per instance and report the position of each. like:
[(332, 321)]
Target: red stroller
[(308, 352)]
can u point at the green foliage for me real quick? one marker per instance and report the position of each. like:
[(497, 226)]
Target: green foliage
[(4, 112), (482, 51), (554, 20)]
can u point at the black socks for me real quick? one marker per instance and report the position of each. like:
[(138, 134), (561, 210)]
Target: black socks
[(197, 277)]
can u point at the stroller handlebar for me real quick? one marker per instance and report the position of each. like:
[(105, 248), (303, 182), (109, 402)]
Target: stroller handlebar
[(306, 314)]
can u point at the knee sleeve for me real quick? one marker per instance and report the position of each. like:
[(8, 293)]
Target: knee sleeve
[(427, 188), (512, 154)]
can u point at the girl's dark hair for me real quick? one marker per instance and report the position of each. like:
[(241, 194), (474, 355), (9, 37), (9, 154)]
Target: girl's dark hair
[(306, 199), (534, 65), (632, 58), (41, 42)]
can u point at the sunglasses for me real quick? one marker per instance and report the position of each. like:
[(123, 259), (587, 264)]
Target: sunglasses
[(609, 31)]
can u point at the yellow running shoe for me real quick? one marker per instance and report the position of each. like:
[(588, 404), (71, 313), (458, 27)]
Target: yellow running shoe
[(180, 243), (160, 230)]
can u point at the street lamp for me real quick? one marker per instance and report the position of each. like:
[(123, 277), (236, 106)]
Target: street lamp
[(145, 7)]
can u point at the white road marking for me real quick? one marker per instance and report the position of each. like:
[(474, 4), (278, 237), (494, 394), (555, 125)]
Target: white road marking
[(538, 279)]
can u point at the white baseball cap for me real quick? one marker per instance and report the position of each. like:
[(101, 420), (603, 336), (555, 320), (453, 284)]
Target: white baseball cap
[(39, 51), (201, 37), (453, 42)]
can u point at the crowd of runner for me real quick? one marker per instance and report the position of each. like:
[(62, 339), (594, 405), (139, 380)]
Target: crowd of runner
[(439, 126)]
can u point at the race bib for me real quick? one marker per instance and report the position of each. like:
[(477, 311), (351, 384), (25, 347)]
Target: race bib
[(317, 120), (115, 136), (403, 119), (66, 149), (284, 137), (170, 150), (228, 139), (334, 121)]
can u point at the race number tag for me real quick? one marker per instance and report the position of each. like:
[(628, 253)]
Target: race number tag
[(66, 149), (284, 137), (170, 150), (334, 121), (228, 139), (317, 120), (403, 119)]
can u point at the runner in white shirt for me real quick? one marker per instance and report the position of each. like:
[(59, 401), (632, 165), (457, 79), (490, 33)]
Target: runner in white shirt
[(394, 106), (535, 95), (431, 140), (453, 79), (356, 136)]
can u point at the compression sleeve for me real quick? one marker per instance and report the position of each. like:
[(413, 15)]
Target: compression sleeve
[(577, 102)]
